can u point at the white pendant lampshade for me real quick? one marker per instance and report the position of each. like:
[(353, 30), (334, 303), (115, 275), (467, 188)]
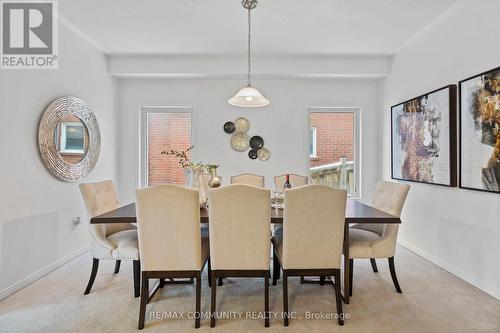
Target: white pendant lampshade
[(248, 97)]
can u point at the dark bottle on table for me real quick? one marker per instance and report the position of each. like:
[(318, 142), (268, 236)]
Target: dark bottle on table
[(287, 182)]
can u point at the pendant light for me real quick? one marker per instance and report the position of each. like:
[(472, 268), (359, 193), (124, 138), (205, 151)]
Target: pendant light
[(249, 97)]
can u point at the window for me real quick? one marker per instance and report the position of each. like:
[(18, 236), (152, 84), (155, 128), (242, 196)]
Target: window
[(333, 148), (312, 142), (164, 128), (72, 138)]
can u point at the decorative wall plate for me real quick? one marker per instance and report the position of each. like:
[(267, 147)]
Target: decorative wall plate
[(242, 125), (253, 154), (240, 141), (256, 142), (229, 127), (263, 154)]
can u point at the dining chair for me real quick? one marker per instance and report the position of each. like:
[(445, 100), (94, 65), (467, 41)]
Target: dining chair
[(248, 179), (115, 241), (313, 234), (373, 241), (295, 181), (168, 226), (279, 183), (240, 217)]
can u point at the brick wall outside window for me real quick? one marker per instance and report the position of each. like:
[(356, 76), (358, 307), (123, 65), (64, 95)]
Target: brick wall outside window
[(334, 136), (167, 131)]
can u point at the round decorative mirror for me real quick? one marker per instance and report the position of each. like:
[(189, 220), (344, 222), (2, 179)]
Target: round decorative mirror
[(69, 139)]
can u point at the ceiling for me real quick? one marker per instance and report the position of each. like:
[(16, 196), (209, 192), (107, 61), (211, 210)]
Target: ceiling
[(306, 27)]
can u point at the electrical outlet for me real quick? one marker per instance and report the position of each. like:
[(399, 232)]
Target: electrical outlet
[(76, 222)]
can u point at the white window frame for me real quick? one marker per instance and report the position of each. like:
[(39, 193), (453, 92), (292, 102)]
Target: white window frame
[(143, 153), (357, 141), (314, 153), (62, 143)]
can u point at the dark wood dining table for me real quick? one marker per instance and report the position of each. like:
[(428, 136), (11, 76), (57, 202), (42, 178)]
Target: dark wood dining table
[(356, 212)]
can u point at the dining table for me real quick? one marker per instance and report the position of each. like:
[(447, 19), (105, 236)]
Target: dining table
[(356, 213)]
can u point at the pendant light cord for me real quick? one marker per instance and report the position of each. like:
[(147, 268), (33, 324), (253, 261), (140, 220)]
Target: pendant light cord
[(249, 83)]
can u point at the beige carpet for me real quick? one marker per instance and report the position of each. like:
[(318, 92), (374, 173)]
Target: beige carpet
[(432, 301)]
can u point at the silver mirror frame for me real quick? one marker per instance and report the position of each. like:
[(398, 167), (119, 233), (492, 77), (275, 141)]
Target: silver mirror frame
[(59, 108)]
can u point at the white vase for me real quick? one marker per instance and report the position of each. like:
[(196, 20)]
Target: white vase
[(193, 181)]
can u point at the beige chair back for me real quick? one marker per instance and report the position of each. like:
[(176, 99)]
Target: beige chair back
[(168, 228), (248, 179), (240, 225), (295, 181), (100, 198), (313, 227), (390, 197)]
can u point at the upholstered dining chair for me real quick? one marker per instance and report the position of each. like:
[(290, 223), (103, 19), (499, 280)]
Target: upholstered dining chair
[(117, 241), (248, 179), (295, 181), (279, 183), (372, 241), (240, 224), (313, 234), (168, 226)]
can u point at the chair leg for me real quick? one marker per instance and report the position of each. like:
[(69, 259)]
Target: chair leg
[(302, 280), (285, 298), (117, 266), (212, 306), (198, 301), (266, 301), (351, 267), (220, 281), (338, 298), (137, 278), (144, 300), (209, 273), (393, 274), (276, 268), (321, 280), (95, 265), (374, 265)]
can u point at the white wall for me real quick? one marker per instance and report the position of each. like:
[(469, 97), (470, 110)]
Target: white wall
[(36, 210), (457, 229), (283, 124)]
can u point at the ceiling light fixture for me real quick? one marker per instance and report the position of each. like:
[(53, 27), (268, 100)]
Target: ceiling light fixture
[(249, 97)]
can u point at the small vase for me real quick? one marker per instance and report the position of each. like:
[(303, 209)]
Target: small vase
[(192, 176), (214, 181), (194, 181)]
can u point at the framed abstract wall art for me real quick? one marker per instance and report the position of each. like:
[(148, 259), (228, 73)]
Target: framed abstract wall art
[(480, 132), (423, 138)]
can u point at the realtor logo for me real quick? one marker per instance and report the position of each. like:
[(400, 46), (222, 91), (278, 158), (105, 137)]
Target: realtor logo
[(29, 35)]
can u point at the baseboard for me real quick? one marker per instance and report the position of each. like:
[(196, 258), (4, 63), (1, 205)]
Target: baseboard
[(41, 273), (451, 269)]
